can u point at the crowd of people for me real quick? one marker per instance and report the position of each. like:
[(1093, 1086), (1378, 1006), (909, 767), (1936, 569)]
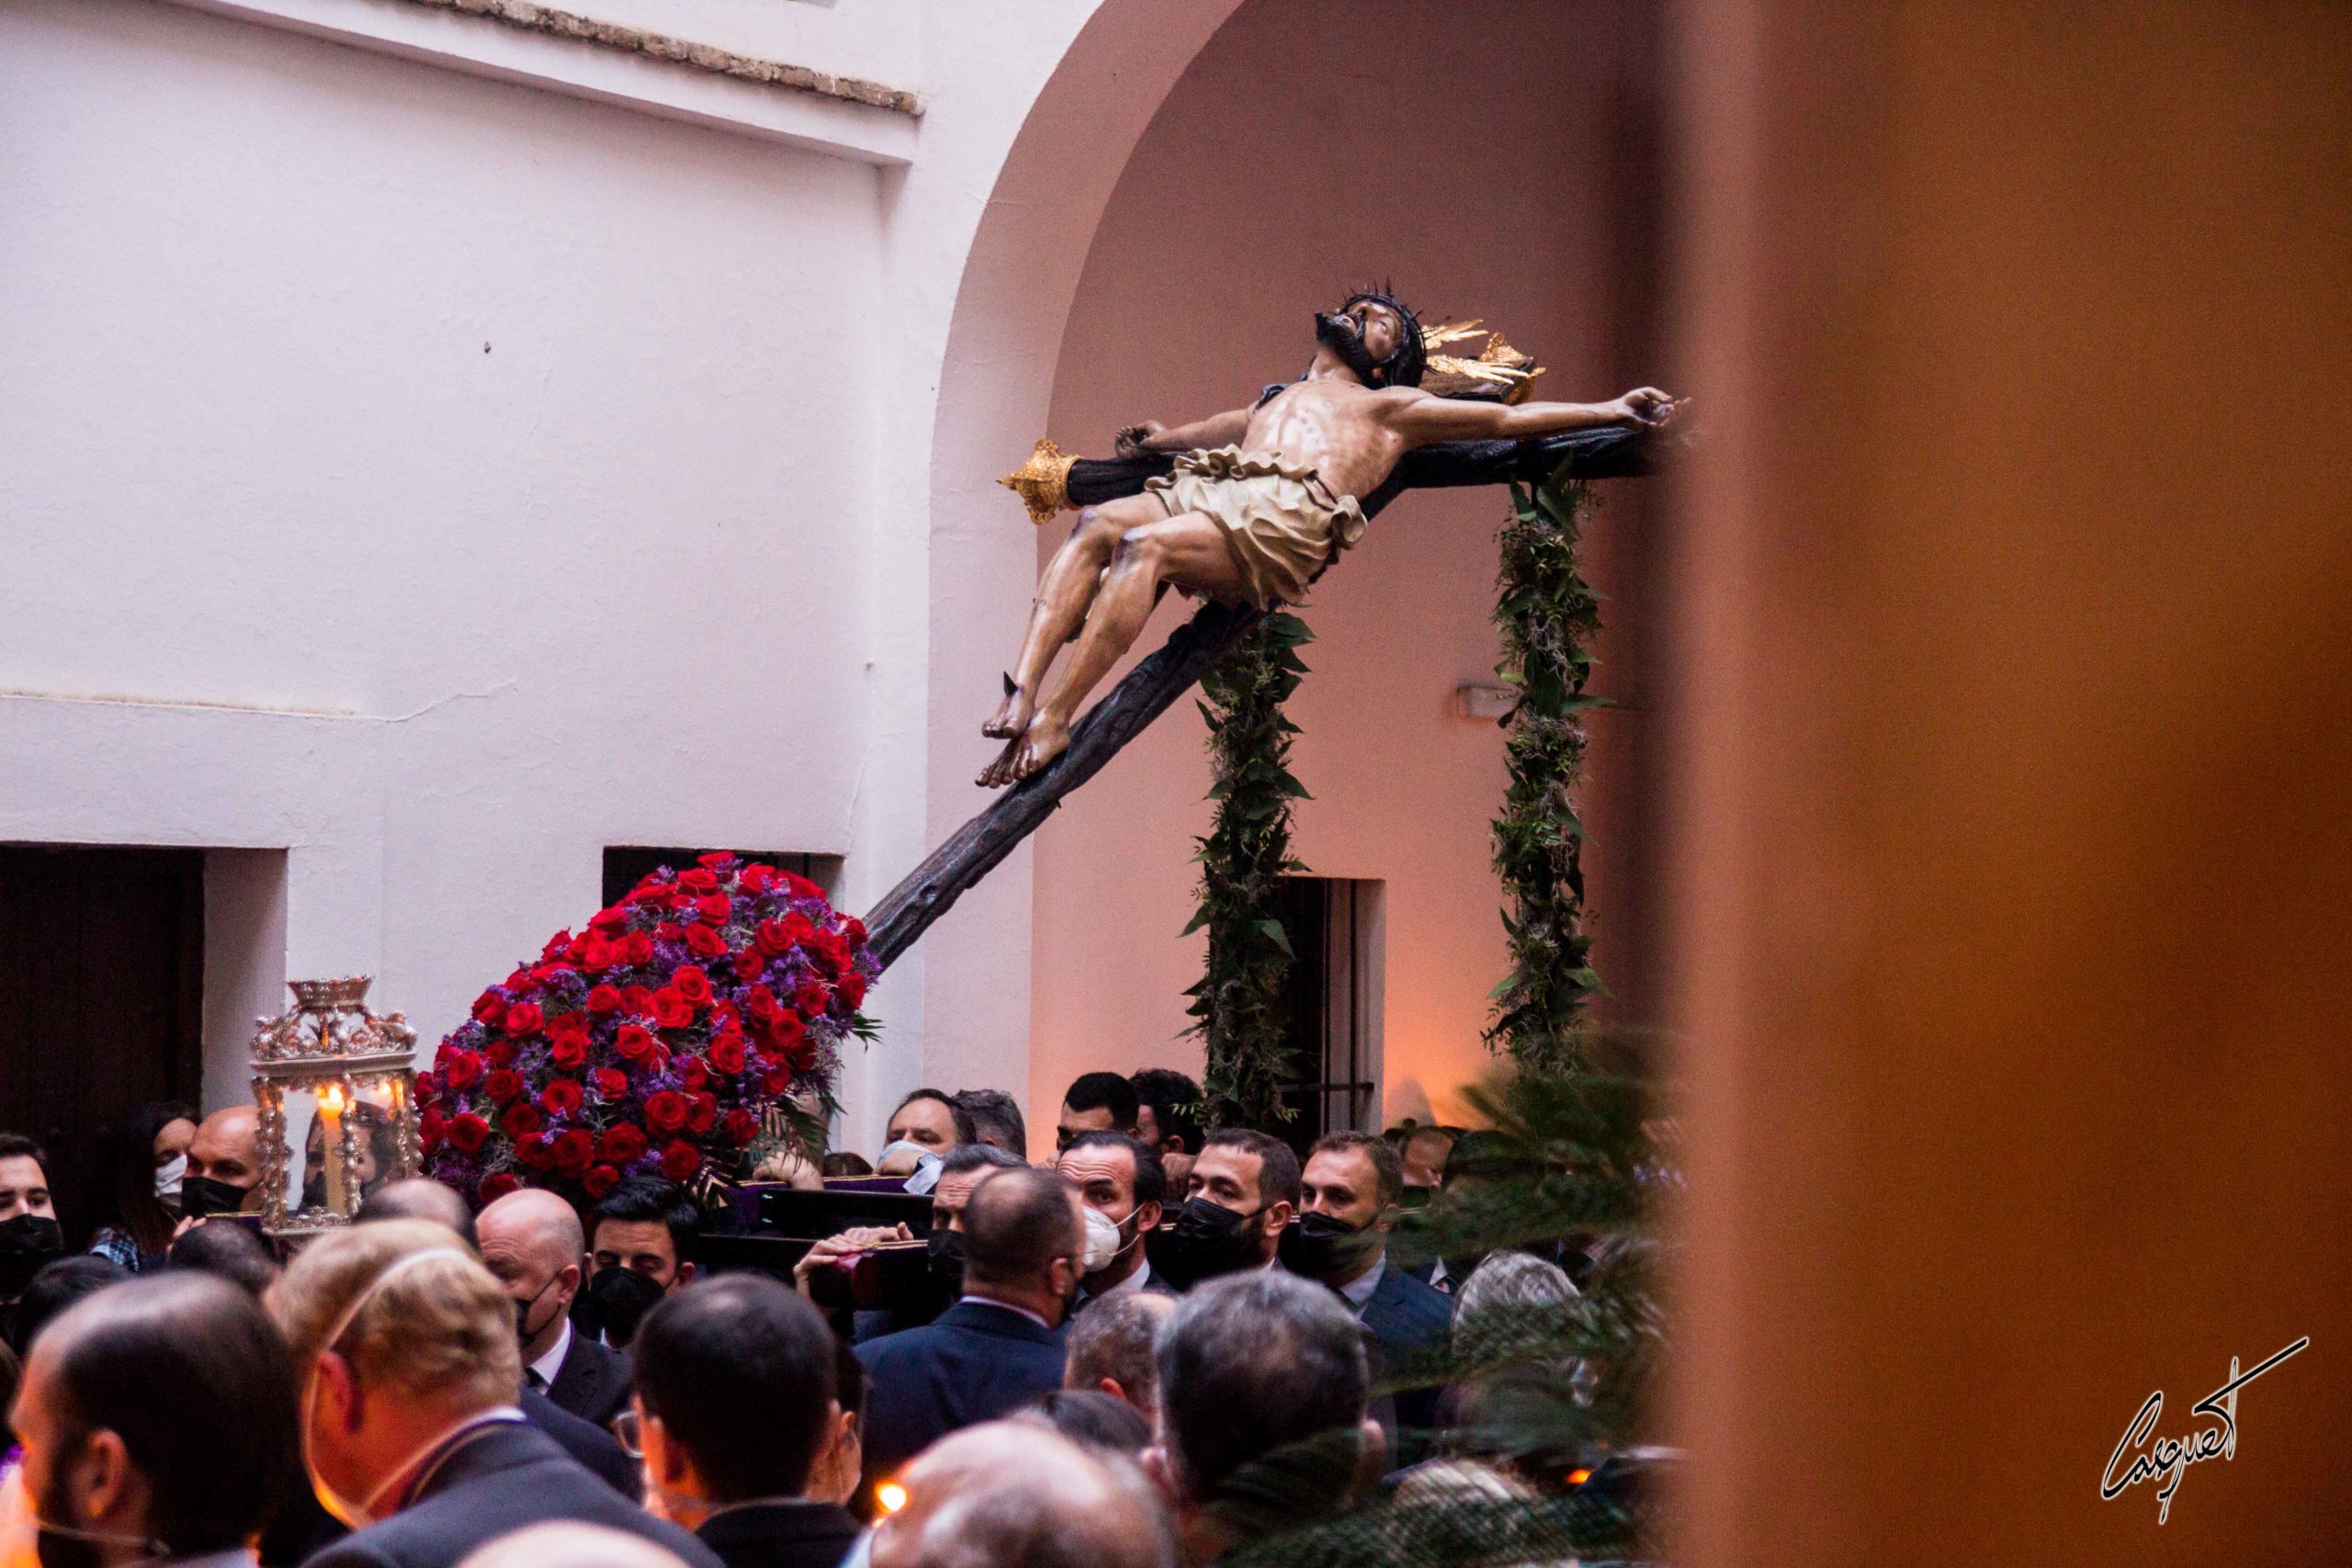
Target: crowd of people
[(1110, 1350)]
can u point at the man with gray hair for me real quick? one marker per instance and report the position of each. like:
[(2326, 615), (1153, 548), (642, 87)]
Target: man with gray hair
[(1114, 1347), (1019, 1495), (404, 1347), (532, 1240), (997, 1121), (1252, 1366)]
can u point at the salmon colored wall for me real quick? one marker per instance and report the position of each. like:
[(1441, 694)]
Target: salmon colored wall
[(1473, 154)]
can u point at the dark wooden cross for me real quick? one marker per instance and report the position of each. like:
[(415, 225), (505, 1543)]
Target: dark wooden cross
[(933, 888)]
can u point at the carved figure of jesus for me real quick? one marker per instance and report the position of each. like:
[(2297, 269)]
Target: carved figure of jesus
[(1261, 500)]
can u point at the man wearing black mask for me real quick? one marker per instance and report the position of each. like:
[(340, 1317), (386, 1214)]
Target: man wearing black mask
[(130, 1450), (1242, 1192), (1351, 1189), (641, 1248), (224, 1164), (29, 1235)]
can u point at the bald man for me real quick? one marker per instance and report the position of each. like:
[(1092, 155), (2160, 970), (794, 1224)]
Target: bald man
[(532, 1241), (224, 1164), (1009, 1494)]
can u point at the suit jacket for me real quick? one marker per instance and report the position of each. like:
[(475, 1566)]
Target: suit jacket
[(781, 1535), (594, 1381), (492, 1483), (1409, 1321), (591, 1445), (975, 1362)]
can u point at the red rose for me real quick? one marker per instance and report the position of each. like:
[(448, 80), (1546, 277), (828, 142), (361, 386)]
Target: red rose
[(460, 1069), (775, 936), (522, 980), (569, 1051), (428, 1089), (498, 1187), (672, 1011), (680, 1161), (638, 948), (852, 988), (714, 907), (467, 1132), (811, 997), (749, 964), (647, 892), (490, 1008), (693, 984), (703, 1114), (776, 1080), (784, 1031), (599, 1179), (524, 1018), (763, 1003), (611, 1082), (613, 920), (522, 1120), (569, 1026), (502, 1086), (561, 1096), (804, 1056), (604, 999), (692, 1074), (726, 1053), (669, 930), (431, 1128), (634, 1042), (698, 878), (573, 1150), (548, 974), (831, 949), (801, 887), (741, 1127), (636, 998), (757, 878), (621, 1143), (537, 1152), (853, 930), (718, 859), (666, 1111), (599, 951), (500, 1053), (703, 941)]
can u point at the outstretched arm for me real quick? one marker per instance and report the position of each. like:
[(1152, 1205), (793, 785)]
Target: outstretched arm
[(1420, 417), (1218, 430)]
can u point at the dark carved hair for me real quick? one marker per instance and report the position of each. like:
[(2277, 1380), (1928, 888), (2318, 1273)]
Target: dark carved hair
[(1175, 1102), (996, 1119), (200, 1386), (1016, 1225), (1151, 1176), (1387, 1169), (1254, 1362), (1105, 1091), (740, 1369), (650, 1200), (16, 1146), (1410, 359), (964, 1131), (228, 1251), (1277, 1162)]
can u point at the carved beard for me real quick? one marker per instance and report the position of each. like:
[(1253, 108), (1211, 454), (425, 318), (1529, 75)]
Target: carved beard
[(1339, 334)]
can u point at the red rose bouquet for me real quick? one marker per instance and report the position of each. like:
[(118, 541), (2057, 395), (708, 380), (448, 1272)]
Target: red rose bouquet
[(655, 1041)]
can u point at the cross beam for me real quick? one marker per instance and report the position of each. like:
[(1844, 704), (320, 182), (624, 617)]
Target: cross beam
[(975, 848)]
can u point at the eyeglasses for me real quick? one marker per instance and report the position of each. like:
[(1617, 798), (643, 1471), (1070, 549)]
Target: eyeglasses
[(628, 1429)]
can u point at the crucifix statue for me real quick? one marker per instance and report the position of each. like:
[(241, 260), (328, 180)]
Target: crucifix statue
[(1258, 503)]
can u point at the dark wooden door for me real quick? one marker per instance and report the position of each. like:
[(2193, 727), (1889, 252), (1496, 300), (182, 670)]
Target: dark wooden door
[(101, 1002)]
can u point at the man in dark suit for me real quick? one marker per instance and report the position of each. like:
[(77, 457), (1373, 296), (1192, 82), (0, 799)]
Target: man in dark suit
[(532, 1241), (406, 1349), (1349, 1193), (736, 1397), (1119, 1178), (997, 1348)]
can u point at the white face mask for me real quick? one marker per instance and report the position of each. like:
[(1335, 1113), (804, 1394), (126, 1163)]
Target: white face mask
[(1103, 1243), (167, 1180), (360, 1514)]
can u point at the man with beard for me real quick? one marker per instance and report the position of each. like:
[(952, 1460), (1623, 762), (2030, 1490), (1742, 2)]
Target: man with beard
[(1261, 501), (1243, 1191), (1350, 1188), (1121, 1183)]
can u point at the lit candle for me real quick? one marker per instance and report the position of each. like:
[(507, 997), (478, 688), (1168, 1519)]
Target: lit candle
[(331, 1115)]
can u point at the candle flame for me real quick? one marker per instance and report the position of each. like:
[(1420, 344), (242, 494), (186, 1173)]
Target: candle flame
[(332, 1099)]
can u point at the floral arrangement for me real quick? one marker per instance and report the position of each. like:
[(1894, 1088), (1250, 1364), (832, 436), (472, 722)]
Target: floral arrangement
[(663, 1039)]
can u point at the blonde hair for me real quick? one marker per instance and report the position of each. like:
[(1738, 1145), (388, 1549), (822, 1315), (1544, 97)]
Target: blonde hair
[(439, 1329)]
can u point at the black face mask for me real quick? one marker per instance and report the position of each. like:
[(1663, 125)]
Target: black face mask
[(617, 1298), (26, 1242), (944, 1256), (1209, 1240), (1339, 334), (1324, 1249), (202, 1195)]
